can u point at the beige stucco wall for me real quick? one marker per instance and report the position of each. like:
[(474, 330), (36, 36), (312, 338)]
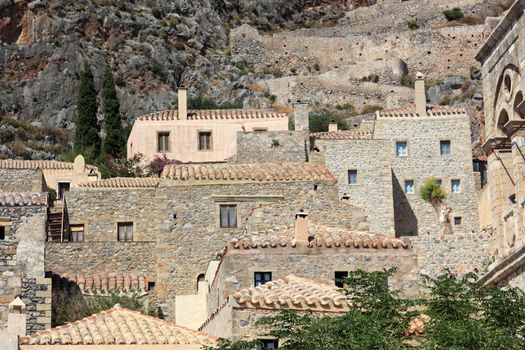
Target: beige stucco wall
[(112, 347), (183, 137)]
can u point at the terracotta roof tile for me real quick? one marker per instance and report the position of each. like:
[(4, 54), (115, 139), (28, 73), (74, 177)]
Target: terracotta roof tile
[(102, 283), (119, 326), (38, 164), (22, 199), (432, 111), (321, 236), (295, 293), (343, 135), (122, 182), (268, 172), (215, 114)]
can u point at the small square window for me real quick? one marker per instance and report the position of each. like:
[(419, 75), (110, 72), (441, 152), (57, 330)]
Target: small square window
[(439, 182), (409, 186), (267, 344), (228, 216), (456, 186), (261, 278), (457, 220), (444, 147), (125, 231), (352, 177), (163, 142), (151, 286), (339, 277), (76, 233), (204, 140), (401, 148), (2, 233)]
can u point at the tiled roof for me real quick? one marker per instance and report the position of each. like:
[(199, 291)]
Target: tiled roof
[(410, 111), (122, 182), (295, 293), (119, 326), (268, 172), (107, 282), (22, 199), (215, 114), (343, 135), (327, 237), (40, 164)]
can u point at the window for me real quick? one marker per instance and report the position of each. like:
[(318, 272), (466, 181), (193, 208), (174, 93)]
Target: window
[(456, 186), (457, 220), (125, 231), (267, 344), (444, 147), (204, 140), (262, 278), (151, 286), (401, 148), (76, 233), (409, 186), (163, 142), (228, 216), (439, 182), (2, 233), (260, 129), (352, 177), (339, 276)]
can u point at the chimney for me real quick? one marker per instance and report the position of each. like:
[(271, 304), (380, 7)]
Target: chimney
[(332, 126), (16, 319), (182, 97), (300, 115), (301, 228), (421, 97)]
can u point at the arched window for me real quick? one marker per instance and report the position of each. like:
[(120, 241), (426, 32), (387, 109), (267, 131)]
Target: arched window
[(502, 120), (517, 100)]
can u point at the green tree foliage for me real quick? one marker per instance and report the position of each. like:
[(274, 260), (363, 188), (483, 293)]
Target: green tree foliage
[(454, 14), (121, 167), (114, 143), (319, 121), (203, 102), (463, 316), (432, 193), (87, 139)]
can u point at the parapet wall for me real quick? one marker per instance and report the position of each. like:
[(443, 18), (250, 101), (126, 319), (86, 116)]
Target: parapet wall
[(21, 180), (271, 147)]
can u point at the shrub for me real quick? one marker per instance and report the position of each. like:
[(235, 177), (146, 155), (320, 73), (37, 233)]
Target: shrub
[(454, 14), (275, 143), (432, 193), (412, 24), (155, 11), (156, 166), (52, 195), (203, 102), (319, 121)]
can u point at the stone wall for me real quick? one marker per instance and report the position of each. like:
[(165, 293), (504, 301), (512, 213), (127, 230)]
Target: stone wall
[(36, 294), (21, 180), (10, 278), (271, 146), (423, 136), (100, 257), (373, 191), (100, 210), (459, 252), (322, 209), (191, 236)]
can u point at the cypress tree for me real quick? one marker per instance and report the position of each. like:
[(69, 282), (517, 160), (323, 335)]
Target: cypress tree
[(114, 143), (87, 139)]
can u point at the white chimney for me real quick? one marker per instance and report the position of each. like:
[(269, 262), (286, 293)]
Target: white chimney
[(16, 318), (421, 97), (182, 97), (332, 126), (301, 228)]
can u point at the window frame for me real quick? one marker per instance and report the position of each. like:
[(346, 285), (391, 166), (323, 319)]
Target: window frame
[(162, 134), (128, 224), (406, 149), (452, 186), (228, 217), (260, 280), (456, 219), (210, 141), (441, 143), (77, 233), (413, 186), (356, 177)]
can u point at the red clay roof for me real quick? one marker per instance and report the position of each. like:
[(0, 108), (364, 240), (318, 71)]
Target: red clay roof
[(119, 326), (214, 114), (343, 135), (40, 164), (268, 172), (22, 199), (108, 282), (409, 110), (122, 182)]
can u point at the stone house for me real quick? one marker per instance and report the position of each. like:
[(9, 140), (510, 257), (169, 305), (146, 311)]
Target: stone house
[(22, 240), (381, 165), (197, 135), (42, 175), (168, 229), (503, 65)]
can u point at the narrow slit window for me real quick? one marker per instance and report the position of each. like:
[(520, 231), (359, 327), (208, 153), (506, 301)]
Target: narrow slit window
[(352, 177), (2, 233)]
